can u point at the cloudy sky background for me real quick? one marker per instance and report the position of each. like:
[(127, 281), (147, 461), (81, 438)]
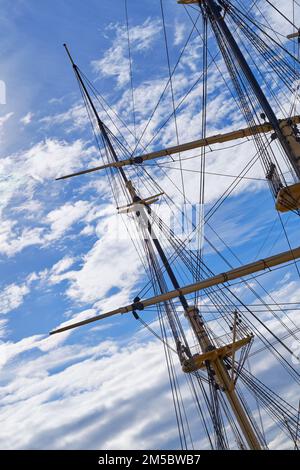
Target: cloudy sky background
[(104, 386)]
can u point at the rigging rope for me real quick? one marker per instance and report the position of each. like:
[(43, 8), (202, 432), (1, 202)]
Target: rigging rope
[(130, 70)]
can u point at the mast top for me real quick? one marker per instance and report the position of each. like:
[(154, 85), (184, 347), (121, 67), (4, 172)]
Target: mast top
[(69, 55)]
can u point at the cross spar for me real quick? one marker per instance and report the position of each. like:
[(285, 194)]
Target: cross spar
[(211, 140), (247, 269)]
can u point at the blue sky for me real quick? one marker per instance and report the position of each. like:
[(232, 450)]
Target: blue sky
[(58, 262)]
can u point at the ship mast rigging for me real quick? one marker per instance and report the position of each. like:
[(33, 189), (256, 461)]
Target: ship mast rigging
[(222, 362)]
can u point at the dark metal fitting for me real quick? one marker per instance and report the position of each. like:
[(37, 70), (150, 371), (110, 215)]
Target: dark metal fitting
[(135, 315), (273, 136), (137, 305)]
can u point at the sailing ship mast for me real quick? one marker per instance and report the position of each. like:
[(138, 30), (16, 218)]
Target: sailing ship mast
[(219, 361)]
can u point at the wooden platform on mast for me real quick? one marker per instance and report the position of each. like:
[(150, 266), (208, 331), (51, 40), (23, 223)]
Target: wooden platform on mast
[(132, 207), (288, 198), (198, 360)]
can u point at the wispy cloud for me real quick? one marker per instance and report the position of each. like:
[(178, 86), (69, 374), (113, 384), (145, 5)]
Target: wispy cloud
[(5, 118), (12, 297), (84, 387), (25, 173), (27, 118), (179, 33), (115, 61)]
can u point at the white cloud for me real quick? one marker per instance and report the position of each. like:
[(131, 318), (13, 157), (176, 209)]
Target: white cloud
[(86, 386), (91, 397), (12, 243), (5, 118), (27, 175), (44, 161), (77, 115), (114, 62), (3, 330), (62, 265), (88, 230), (3, 121), (49, 159), (111, 263), (11, 297), (179, 32), (51, 227), (274, 19), (62, 218), (27, 118)]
